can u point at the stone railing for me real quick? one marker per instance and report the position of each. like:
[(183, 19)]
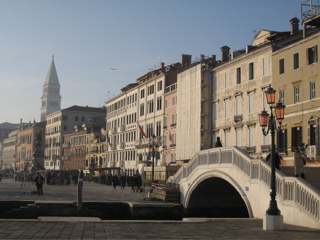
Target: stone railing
[(292, 190)]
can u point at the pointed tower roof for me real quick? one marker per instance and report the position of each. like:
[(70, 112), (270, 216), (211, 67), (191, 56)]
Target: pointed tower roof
[(52, 76)]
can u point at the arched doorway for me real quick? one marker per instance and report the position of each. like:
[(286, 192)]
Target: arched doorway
[(215, 197)]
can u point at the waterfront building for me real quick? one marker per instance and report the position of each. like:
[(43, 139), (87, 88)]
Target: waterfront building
[(194, 112), (295, 77), (26, 145), (121, 130), (63, 122), (139, 104), (9, 151)]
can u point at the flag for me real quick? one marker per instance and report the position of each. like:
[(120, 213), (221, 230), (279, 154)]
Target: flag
[(142, 132), (108, 140)]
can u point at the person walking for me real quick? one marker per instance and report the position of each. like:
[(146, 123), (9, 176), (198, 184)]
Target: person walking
[(277, 159), (122, 181), (299, 163), (218, 143), (39, 183), (115, 181)]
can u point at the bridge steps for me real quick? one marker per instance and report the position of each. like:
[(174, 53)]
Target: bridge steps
[(312, 174)]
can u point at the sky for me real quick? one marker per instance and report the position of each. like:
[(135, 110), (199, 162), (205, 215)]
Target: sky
[(89, 37)]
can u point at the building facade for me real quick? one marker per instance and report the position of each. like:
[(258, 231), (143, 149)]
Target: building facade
[(295, 72), (26, 145), (62, 122)]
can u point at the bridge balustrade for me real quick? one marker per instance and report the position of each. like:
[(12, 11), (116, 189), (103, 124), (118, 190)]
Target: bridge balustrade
[(290, 189)]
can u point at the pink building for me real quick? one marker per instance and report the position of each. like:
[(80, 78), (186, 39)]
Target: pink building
[(169, 125)]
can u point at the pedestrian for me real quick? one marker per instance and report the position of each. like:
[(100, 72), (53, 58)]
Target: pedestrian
[(299, 163), (135, 183), (115, 181), (218, 143), (277, 159), (122, 181), (39, 182)]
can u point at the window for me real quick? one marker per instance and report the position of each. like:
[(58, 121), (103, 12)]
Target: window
[(296, 137), (281, 66), (76, 118), (312, 134), (251, 102), (251, 71), (159, 103), (296, 61), (159, 85), (265, 63), (238, 73), (141, 109), (239, 137), (174, 120), (239, 105), (296, 94), (142, 93), (251, 136), (158, 129), (227, 138), (165, 122), (281, 96), (215, 111), (312, 90), (227, 79), (151, 89), (312, 54), (226, 108), (165, 103)]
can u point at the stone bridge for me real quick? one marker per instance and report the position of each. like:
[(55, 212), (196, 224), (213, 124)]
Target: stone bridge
[(225, 182)]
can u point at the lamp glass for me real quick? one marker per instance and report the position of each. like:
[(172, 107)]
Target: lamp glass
[(263, 118), (150, 148), (279, 110), (271, 95), (157, 148)]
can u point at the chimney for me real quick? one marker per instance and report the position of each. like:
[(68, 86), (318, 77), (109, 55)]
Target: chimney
[(294, 26), (186, 59), (162, 65), (225, 53)]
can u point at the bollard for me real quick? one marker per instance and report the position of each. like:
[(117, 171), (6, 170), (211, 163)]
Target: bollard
[(80, 186)]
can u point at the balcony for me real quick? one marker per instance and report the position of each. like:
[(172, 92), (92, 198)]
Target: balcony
[(237, 118), (265, 148), (114, 146), (113, 130), (251, 149), (66, 145)]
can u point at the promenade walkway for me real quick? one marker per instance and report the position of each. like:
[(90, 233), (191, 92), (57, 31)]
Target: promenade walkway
[(94, 228)]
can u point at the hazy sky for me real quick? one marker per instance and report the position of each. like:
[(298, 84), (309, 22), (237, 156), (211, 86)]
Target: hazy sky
[(88, 37)]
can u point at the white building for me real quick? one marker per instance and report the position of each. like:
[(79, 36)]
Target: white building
[(62, 122)]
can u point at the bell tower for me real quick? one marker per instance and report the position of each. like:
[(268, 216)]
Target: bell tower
[(51, 98)]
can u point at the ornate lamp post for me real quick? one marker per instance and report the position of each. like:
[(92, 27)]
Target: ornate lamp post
[(273, 220), (154, 153)]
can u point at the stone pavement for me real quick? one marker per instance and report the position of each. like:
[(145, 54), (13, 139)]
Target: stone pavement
[(89, 228), (95, 228), (11, 190)]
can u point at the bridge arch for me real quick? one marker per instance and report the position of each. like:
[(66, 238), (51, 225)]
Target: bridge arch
[(214, 187)]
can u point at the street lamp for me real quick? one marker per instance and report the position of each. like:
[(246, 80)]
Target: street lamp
[(154, 152), (268, 124)]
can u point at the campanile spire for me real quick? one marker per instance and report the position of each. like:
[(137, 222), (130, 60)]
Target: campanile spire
[(51, 98)]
